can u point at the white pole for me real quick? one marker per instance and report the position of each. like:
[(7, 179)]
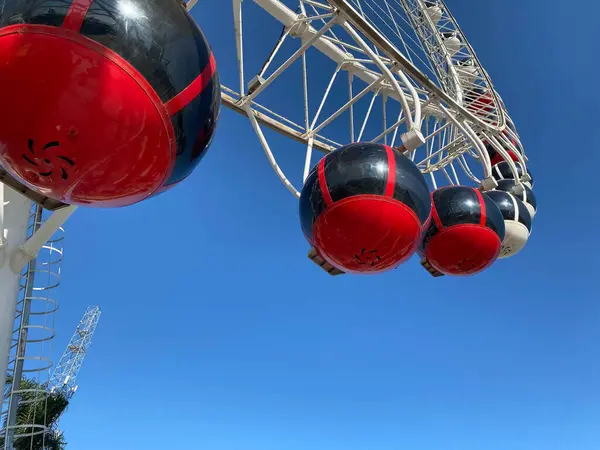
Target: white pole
[(14, 227)]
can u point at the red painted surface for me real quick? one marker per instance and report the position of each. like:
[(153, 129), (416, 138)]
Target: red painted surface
[(113, 142), (366, 233), (193, 90), (323, 182), (434, 214), (483, 103), (464, 249), (482, 207), (76, 14), (497, 158), (391, 176)]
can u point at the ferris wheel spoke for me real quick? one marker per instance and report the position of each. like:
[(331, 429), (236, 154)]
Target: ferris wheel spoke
[(407, 86)]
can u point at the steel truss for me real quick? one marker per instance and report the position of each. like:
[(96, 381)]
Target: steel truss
[(436, 103)]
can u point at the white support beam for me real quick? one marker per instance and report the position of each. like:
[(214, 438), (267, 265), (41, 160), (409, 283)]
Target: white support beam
[(16, 211), (287, 17), (30, 249)]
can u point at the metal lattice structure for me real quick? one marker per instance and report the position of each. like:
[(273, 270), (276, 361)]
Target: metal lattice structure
[(408, 74), (30, 351), (64, 377)]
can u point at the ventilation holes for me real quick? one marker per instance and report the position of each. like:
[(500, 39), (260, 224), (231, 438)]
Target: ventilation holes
[(367, 257), (32, 159)]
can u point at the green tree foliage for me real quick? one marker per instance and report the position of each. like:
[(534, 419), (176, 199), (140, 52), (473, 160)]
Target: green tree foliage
[(41, 409)]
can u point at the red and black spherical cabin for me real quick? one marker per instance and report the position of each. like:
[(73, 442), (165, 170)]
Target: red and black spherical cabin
[(363, 208), (525, 194), (107, 102), (465, 233), (502, 171), (496, 158), (517, 222)]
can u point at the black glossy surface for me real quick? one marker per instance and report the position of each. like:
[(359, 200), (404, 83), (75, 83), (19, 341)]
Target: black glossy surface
[(493, 217), (411, 187), (311, 203), (491, 151), (158, 37), (358, 169), (501, 171), (457, 205), (39, 12), (527, 196), (362, 168), (511, 207), (195, 127)]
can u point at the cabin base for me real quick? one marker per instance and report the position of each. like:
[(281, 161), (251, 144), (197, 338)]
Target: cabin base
[(429, 268), (314, 257)]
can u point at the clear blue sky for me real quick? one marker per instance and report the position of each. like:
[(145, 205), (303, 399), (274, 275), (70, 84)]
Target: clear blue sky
[(219, 334)]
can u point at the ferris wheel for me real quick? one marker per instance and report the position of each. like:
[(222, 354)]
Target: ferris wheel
[(410, 80), (421, 155)]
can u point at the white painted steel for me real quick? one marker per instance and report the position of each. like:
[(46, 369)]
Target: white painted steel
[(430, 75), (14, 227), (31, 345), (18, 251), (64, 377)]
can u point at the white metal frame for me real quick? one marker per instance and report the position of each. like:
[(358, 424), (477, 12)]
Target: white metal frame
[(16, 250), (441, 128), (64, 376), (33, 335)]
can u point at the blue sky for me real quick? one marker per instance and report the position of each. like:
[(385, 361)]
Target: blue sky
[(219, 334)]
